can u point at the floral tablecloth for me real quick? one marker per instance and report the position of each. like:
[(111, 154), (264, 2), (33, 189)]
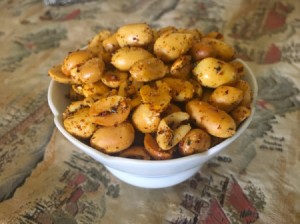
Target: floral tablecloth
[(45, 179)]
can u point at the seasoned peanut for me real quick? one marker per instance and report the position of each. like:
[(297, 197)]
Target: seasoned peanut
[(56, 74), (113, 79), (80, 123), (223, 51), (110, 111), (240, 113), (226, 97), (157, 97), (247, 92), (92, 70), (171, 45), (135, 152), (172, 129), (148, 69), (212, 72), (182, 67), (134, 35), (153, 149), (181, 90), (75, 59), (94, 89), (110, 44), (113, 139), (201, 50), (145, 119), (215, 121), (125, 57), (195, 141)]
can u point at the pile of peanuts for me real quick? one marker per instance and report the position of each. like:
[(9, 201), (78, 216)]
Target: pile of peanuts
[(146, 93)]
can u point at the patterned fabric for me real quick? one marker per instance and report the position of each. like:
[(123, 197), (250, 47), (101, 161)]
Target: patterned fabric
[(45, 179)]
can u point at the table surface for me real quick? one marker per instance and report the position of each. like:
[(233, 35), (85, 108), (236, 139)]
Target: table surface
[(45, 179)]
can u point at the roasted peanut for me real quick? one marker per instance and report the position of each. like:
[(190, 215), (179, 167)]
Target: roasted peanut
[(134, 35), (153, 149), (171, 45), (113, 139), (226, 97), (172, 129), (75, 59), (157, 97), (195, 141), (148, 69), (80, 123), (125, 57), (215, 121), (135, 152), (212, 72), (110, 111), (145, 119)]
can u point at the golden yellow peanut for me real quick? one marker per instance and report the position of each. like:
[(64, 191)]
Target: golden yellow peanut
[(134, 35), (172, 129), (144, 119), (95, 44), (113, 79), (172, 45), (75, 59), (247, 92), (73, 107), (94, 89), (201, 50), (181, 90), (226, 97), (57, 75), (153, 149), (92, 70), (215, 121), (79, 123), (113, 139), (125, 57), (135, 152), (110, 44), (110, 111), (212, 72), (195, 141), (157, 97), (182, 67), (240, 113), (148, 69), (223, 51)]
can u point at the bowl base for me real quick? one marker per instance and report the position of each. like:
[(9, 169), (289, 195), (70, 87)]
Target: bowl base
[(154, 182)]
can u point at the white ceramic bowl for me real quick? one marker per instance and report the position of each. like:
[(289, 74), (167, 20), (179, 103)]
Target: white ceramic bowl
[(142, 173)]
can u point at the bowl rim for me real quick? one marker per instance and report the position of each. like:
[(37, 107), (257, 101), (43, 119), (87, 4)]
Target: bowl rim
[(114, 161)]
